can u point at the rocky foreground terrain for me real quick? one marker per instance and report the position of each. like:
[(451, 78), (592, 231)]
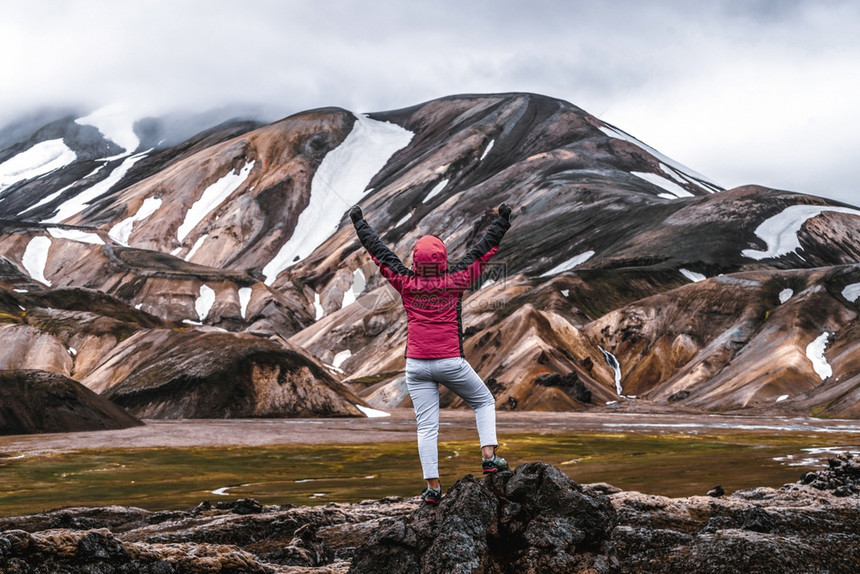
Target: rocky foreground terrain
[(533, 520), (157, 267)]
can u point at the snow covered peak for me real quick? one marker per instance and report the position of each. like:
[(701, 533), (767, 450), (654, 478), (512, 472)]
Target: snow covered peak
[(116, 123)]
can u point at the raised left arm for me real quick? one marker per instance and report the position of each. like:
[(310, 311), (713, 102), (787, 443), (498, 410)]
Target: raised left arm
[(470, 267)]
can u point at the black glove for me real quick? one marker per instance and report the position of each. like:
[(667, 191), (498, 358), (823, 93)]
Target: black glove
[(355, 214), (505, 211)]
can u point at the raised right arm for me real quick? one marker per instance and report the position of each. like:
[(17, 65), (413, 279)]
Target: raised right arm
[(390, 265)]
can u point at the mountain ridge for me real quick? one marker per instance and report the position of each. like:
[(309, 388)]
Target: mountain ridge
[(208, 233)]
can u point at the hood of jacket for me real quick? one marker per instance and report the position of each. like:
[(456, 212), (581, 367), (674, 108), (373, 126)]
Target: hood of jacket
[(429, 257)]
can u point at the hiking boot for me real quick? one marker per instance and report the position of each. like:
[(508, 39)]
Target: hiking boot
[(431, 495), (494, 464)]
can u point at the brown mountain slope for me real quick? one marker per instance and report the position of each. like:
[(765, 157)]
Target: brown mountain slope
[(729, 342), (33, 401), (158, 369), (244, 229)]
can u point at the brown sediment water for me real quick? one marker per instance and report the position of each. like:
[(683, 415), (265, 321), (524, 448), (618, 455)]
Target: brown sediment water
[(177, 464)]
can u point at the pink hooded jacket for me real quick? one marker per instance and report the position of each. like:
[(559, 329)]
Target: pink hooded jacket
[(431, 291)]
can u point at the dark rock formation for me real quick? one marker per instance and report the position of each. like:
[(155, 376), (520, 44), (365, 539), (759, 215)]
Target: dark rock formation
[(203, 540), (532, 520), (225, 375), (679, 396), (37, 401), (760, 530), (569, 383), (717, 491), (841, 477), (242, 506)]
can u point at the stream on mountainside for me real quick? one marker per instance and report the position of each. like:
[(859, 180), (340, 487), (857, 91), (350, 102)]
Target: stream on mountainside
[(672, 464)]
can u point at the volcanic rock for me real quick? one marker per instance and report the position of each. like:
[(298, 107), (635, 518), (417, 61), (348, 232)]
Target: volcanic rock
[(533, 519), (34, 401), (841, 477), (195, 374)]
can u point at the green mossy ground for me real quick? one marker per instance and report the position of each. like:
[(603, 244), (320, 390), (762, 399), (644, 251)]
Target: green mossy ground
[(156, 479)]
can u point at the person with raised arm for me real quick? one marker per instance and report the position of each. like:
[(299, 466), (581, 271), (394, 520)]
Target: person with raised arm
[(432, 292)]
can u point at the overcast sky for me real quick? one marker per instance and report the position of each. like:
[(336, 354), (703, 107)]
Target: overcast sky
[(743, 91)]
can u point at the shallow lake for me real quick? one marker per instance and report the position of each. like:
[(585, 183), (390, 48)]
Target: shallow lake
[(670, 462)]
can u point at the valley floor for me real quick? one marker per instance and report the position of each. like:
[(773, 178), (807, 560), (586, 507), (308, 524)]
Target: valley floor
[(455, 425)]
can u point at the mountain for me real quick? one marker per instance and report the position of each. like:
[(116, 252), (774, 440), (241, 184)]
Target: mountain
[(626, 279), (37, 401)]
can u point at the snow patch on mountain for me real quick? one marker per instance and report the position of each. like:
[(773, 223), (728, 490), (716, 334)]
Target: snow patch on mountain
[(49, 198), (340, 358), (121, 232), (372, 413), (196, 246), (674, 174), (203, 303), (348, 298), (675, 190), (436, 190), (116, 124), (358, 283), (569, 264), (683, 178), (318, 308), (81, 201), (487, 149), (404, 219), (815, 353), (341, 179), (244, 299), (211, 198), (42, 158), (692, 275), (35, 258), (851, 292), (698, 179), (76, 235), (780, 231)]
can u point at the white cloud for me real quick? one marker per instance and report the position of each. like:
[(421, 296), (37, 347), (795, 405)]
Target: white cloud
[(760, 91)]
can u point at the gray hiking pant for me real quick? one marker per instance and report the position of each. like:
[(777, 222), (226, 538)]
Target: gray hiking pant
[(423, 377)]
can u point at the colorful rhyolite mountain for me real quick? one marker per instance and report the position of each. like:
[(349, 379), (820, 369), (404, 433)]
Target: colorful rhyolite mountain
[(219, 276)]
